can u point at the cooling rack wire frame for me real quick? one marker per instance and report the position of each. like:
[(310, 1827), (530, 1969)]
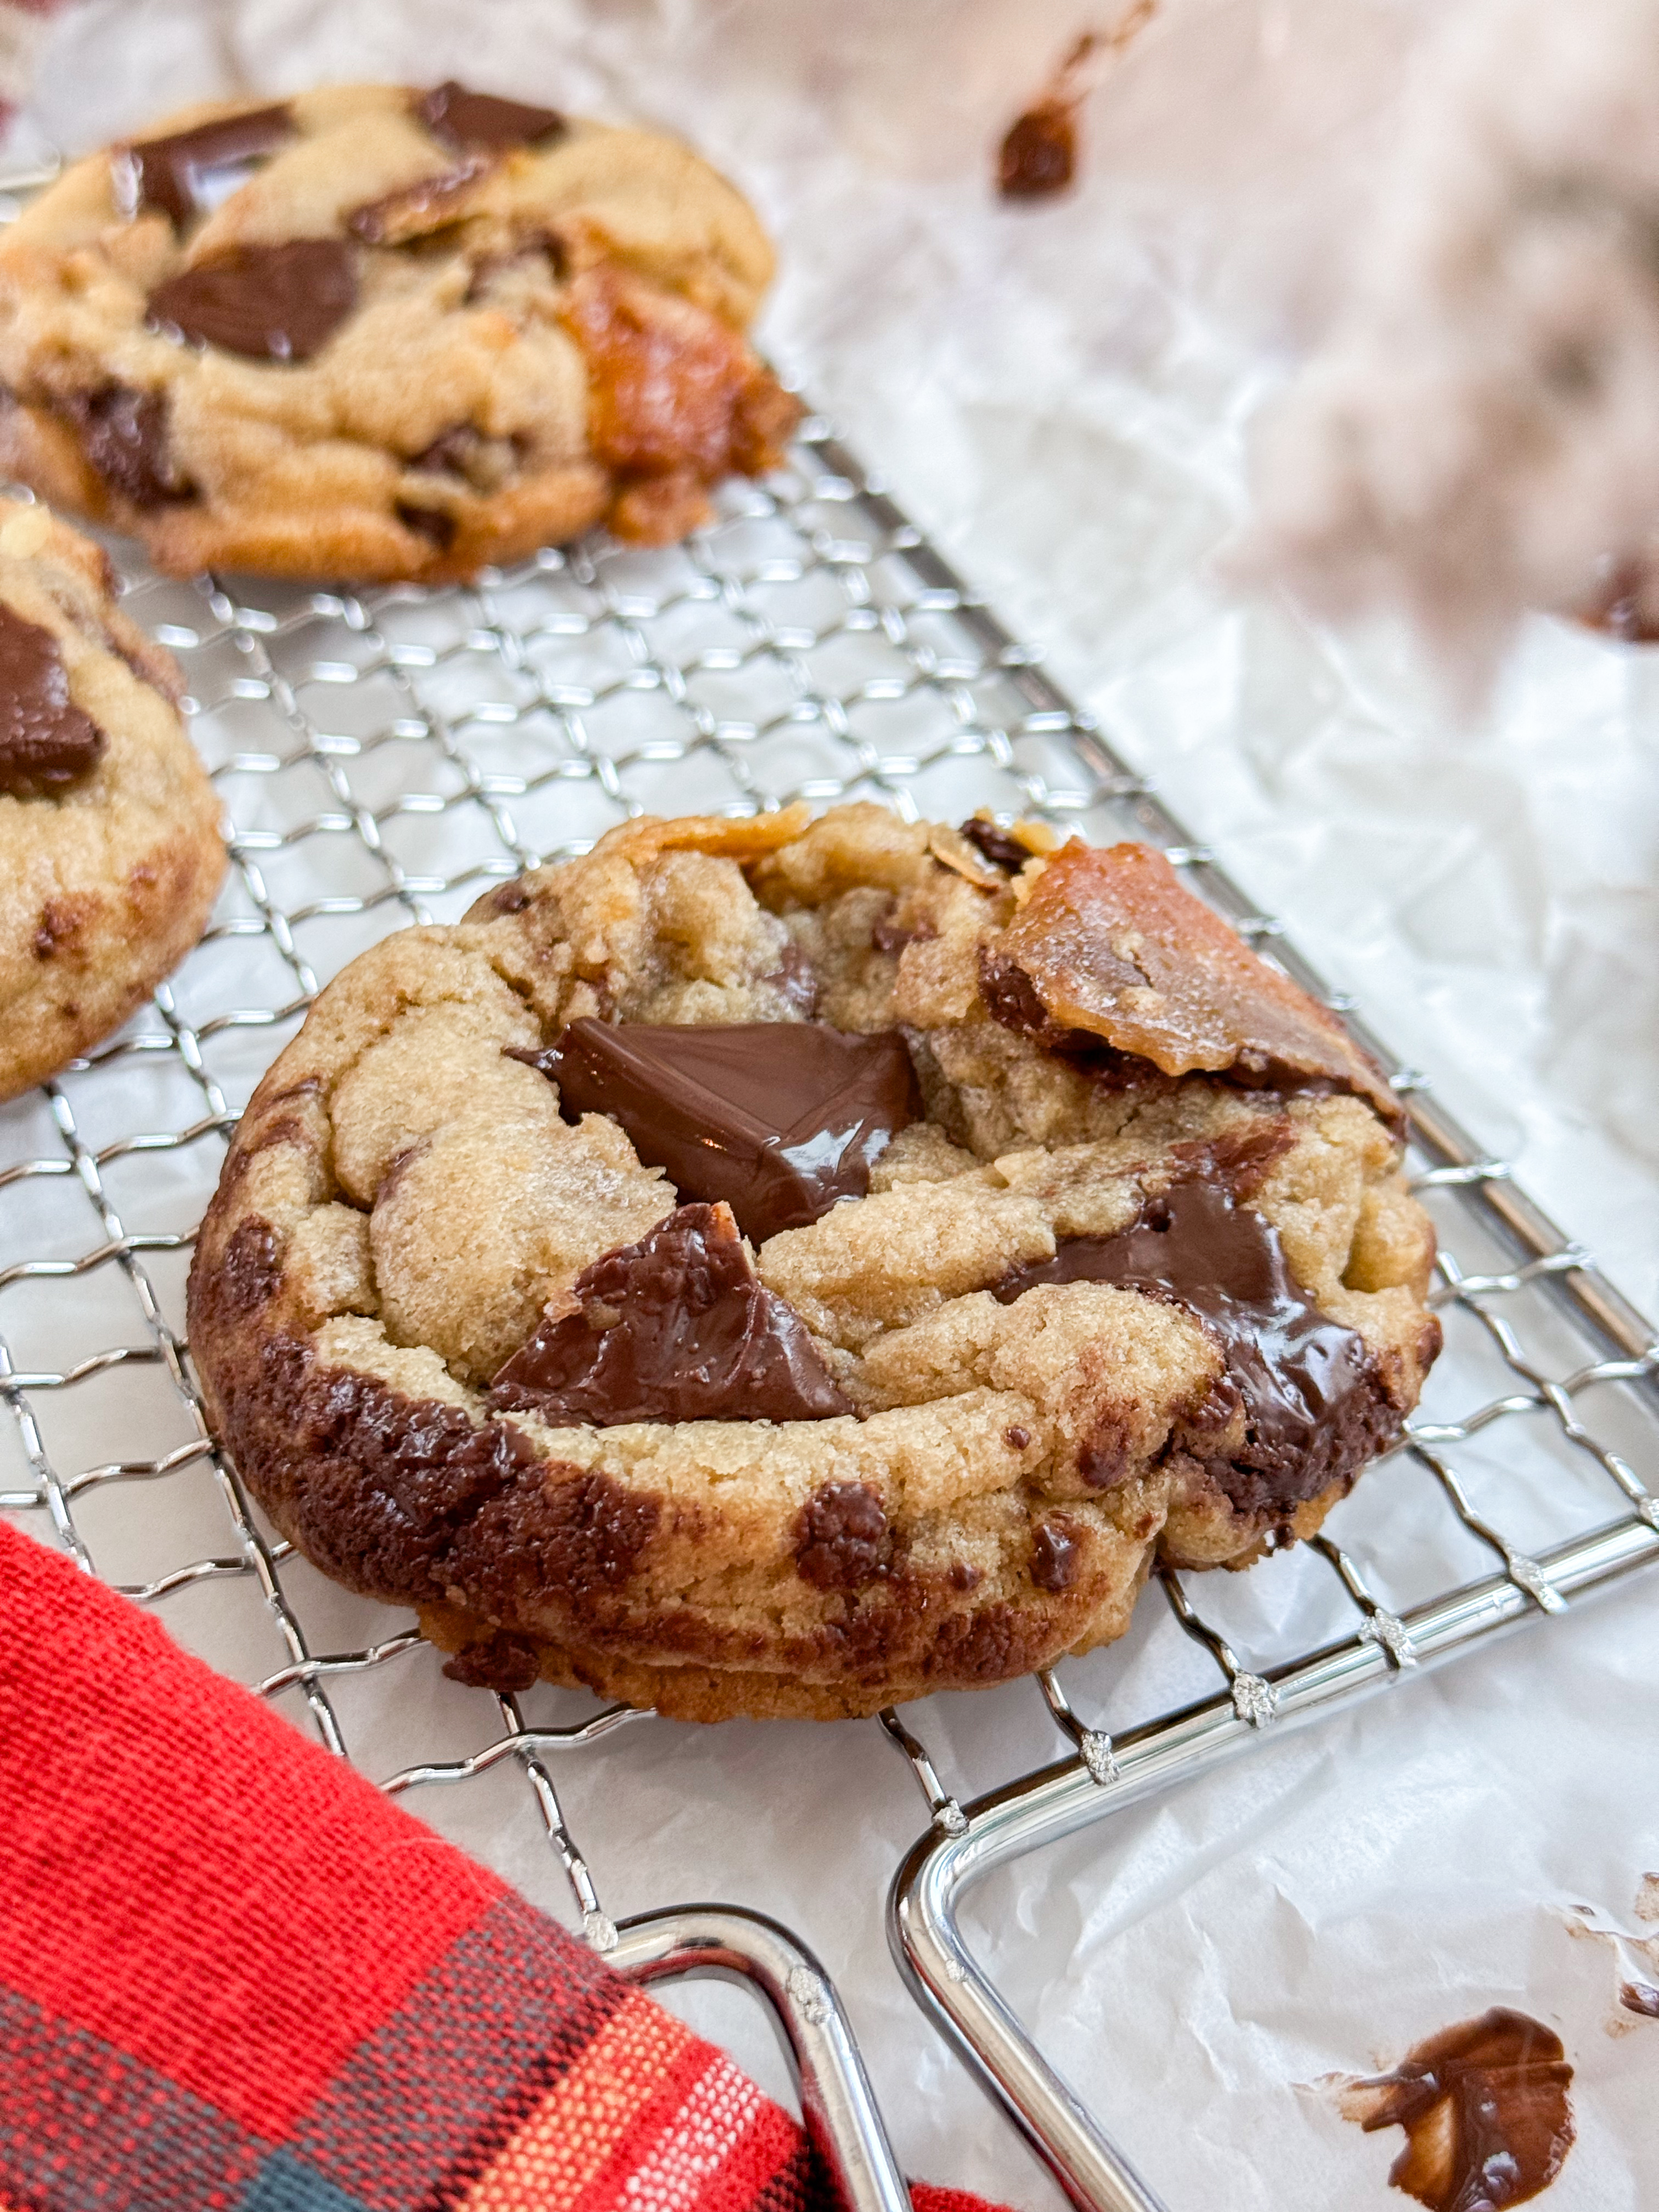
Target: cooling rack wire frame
[(384, 755)]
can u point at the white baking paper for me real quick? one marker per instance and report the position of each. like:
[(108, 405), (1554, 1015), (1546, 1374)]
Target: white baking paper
[(1060, 392)]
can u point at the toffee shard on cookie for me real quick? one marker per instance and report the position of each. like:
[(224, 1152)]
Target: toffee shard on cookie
[(110, 853), (1076, 1238), (381, 332)]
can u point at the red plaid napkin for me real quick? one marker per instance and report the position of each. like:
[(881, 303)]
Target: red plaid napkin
[(235, 1977)]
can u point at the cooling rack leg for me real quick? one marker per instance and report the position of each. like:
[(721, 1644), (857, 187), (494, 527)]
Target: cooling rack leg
[(727, 1943), (933, 1960)]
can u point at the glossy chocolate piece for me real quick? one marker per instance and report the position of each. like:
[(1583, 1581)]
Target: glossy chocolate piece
[(841, 1536), (46, 741), (1485, 2111), (464, 119), (124, 435), (415, 211), (190, 172), (778, 1119), (677, 1327), (1111, 954), (1314, 1406), (266, 302)]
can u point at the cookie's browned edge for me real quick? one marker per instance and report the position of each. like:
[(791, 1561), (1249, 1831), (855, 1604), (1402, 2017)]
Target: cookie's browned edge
[(408, 1502)]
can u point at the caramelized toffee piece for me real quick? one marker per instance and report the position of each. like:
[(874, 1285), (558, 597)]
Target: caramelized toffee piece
[(477, 120), (1314, 1410), (1038, 156), (46, 742), (189, 172), (1110, 949), (677, 1327), (1484, 2109), (269, 302), (778, 1119)]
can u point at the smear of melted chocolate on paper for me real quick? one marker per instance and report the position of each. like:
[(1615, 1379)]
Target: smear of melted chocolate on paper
[(1485, 2111)]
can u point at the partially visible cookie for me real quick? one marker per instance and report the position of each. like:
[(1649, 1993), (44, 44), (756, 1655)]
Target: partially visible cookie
[(110, 853), (775, 1268), (375, 332)]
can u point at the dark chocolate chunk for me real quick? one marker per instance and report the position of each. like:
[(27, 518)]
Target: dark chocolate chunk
[(677, 1327), (466, 118), (778, 1119), (268, 302), (46, 741), (1640, 1997), (1314, 1409), (1017, 1438), (124, 435), (415, 211), (435, 523), (1053, 1556), (190, 172), (1038, 156), (1000, 846), (1485, 2111), (841, 1536)]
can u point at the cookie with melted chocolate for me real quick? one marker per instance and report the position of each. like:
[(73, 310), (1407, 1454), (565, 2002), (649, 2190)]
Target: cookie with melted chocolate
[(782, 1266), (110, 853), (245, 335)]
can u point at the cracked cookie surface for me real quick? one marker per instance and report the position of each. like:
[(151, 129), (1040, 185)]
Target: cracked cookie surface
[(110, 853), (375, 332), (1021, 1307)]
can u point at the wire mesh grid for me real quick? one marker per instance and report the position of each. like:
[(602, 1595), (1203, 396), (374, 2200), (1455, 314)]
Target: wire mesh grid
[(384, 755)]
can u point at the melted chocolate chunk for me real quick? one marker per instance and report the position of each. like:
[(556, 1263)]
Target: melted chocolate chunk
[(1053, 1556), (46, 741), (1484, 2109), (190, 172), (1112, 955), (1038, 156), (503, 1662), (677, 1327), (841, 1536), (415, 211), (1640, 1997), (435, 523), (1315, 1409), (466, 118), (267, 302), (1000, 846), (124, 435), (778, 1119)]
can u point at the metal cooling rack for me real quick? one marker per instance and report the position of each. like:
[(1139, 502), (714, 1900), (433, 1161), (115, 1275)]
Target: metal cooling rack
[(383, 755)]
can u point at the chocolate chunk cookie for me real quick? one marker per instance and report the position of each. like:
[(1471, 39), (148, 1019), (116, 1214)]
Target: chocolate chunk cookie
[(377, 332), (782, 1266), (110, 855)]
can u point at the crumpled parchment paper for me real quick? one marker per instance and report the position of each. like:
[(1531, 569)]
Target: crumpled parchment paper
[(1061, 394)]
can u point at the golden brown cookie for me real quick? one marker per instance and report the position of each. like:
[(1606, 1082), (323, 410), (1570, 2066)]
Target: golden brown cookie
[(110, 854), (780, 1267), (374, 332)]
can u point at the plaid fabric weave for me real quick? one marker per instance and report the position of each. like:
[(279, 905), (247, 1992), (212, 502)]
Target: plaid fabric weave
[(235, 1977)]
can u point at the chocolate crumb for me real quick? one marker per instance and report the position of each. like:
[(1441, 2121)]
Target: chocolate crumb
[(503, 1662), (1017, 1438), (998, 845), (1038, 156)]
